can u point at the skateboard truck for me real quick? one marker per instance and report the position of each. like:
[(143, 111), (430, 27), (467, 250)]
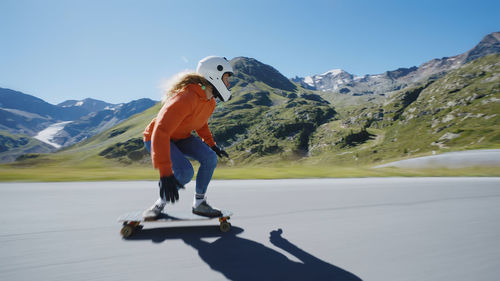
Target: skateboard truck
[(225, 226)]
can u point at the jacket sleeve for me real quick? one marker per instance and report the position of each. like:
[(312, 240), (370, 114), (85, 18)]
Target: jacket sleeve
[(206, 135), (168, 119), (149, 130)]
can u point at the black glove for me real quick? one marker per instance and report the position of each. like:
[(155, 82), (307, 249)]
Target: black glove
[(220, 152), (168, 188)]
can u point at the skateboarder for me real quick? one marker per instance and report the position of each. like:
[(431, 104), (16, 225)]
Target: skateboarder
[(188, 106)]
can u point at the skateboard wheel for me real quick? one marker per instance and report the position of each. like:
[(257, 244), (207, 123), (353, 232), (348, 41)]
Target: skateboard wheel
[(225, 226), (127, 231)]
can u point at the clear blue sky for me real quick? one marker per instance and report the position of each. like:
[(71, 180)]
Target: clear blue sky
[(118, 51)]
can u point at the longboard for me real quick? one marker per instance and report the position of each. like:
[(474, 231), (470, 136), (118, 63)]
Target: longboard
[(132, 221)]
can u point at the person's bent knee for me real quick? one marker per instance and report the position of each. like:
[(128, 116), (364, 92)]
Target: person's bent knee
[(211, 160), (184, 176)]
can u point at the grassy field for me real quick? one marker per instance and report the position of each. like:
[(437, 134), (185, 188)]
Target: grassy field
[(53, 173)]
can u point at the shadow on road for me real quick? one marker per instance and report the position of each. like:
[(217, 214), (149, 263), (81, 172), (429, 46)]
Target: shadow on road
[(243, 259), (159, 235)]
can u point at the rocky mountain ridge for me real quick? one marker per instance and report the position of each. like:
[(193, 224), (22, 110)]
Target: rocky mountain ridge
[(341, 82), (91, 105), (99, 121)]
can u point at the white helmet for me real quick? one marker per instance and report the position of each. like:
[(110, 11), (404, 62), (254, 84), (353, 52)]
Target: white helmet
[(212, 68)]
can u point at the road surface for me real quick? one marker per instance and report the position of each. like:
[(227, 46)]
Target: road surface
[(311, 229), (452, 160)]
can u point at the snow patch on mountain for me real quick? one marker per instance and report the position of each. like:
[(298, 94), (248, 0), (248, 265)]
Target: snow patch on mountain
[(333, 72), (47, 135), (330, 80)]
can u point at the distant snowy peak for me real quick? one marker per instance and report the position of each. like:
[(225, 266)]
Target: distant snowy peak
[(70, 103), (330, 80), (334, 72), (337, 80), (92, 105)]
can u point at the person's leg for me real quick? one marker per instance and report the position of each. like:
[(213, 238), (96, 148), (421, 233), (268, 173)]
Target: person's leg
[(195, 148), (183, 171)]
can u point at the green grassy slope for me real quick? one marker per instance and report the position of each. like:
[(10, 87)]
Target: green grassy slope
[(13, 146), (460, 111)]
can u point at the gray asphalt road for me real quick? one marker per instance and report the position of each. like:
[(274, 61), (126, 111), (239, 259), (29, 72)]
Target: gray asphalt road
[(453, 160), (319, 229)]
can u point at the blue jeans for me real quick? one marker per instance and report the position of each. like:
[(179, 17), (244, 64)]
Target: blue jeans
[(193, 148)]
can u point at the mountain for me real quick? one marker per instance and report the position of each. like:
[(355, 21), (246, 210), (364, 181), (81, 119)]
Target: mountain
[(25, 114), (21, 122), (489, 45), (251, 70), (330, 80), (341, 82), (91, 105), (458, 111), (99, 121), (10, 99), (13, 146), (25, 121)]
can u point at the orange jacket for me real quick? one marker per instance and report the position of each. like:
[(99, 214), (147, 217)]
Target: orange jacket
[(188, 110)]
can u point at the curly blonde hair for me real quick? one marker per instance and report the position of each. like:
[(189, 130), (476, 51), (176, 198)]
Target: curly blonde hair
[(184, 80)]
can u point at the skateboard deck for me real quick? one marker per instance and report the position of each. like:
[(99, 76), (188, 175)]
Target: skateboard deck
[(132, 221)]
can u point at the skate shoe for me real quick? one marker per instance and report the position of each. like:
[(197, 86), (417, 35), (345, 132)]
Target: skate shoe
[(153, 212), (206, 210)]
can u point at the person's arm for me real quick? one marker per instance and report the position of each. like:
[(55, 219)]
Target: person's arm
[(206, 135), (146, 135), (169, 118)]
